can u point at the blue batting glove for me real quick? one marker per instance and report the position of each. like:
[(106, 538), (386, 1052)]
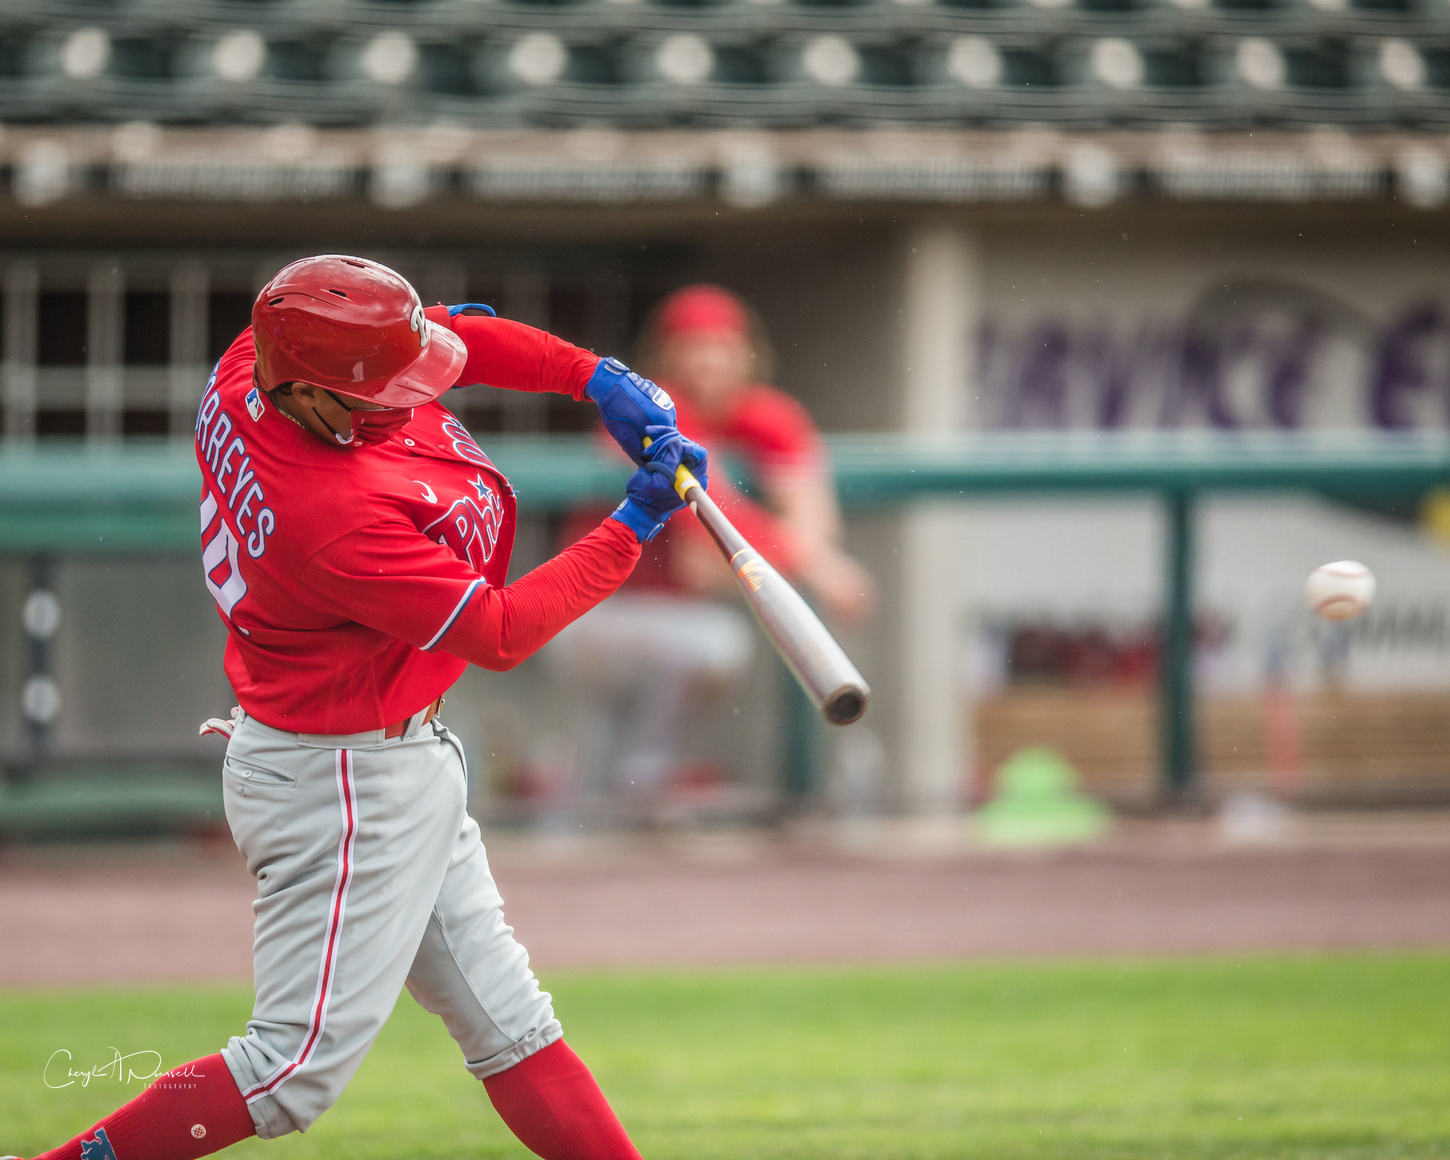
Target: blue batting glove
[(669, 448), (629, 405), (650, 497)]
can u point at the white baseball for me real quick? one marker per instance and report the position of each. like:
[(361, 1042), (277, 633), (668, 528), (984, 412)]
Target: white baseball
[(1339, 591)]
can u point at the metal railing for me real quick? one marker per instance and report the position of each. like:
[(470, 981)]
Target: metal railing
[(130, 496)]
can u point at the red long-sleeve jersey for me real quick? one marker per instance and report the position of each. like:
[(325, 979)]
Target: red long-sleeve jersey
[(356, 584)]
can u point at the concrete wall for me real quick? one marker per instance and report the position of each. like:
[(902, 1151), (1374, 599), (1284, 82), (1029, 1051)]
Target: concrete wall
[(137, 659)]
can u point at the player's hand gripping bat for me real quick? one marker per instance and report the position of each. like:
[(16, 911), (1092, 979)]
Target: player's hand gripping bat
[(811, 653)]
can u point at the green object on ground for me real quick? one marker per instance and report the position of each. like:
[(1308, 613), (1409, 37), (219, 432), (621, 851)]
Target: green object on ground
[(1037, 803), (1262, 1058)]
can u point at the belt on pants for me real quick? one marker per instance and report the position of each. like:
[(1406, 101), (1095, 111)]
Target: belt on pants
[(402, 726), (226, 728)]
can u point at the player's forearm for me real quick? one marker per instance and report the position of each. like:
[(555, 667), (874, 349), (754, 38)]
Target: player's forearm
[(508, 354), (503, 626), (805, 503)]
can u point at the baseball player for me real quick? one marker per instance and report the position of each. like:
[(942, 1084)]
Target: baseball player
[(710, 353), (356, 540)]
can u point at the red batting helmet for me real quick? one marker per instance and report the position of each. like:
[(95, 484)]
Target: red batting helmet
[(354, 327)]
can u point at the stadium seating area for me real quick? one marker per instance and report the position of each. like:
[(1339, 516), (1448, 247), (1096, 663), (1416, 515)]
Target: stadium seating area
[(1091, 64)]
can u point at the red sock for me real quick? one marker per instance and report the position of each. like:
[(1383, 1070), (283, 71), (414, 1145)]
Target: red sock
[(552, 1104), (191, 1111)]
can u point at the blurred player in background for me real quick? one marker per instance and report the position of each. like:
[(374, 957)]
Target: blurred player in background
[(705, 347)]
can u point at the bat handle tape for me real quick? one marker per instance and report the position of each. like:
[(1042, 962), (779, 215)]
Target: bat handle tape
[(684, 477)]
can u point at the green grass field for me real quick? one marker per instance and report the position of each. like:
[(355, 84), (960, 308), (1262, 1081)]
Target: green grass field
[(1268, 1057)]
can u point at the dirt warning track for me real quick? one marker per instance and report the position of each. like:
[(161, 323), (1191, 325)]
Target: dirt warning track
[(161, 914)]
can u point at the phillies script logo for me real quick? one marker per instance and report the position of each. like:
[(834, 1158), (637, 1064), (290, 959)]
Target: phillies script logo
[(463, 445), (470, 527)]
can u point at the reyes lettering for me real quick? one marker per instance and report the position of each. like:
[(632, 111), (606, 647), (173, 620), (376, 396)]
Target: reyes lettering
[(244, 520)]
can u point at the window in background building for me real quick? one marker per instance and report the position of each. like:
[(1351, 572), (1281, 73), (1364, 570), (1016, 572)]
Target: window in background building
[(590, 313), (146, 421), (572, 317), (487, 293), (147, 340), (484, 410), (61, 350), (146, 343), (564, 416), (481, 410), (63, 422), (228, 313), (62, 338), (569, 313)]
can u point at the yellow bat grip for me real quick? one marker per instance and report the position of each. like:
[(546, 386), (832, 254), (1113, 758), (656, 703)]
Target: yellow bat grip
[(684, 477)]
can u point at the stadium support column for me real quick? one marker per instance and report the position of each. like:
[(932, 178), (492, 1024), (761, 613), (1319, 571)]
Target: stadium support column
[(189, 369), (1176, 697), (941, 304), (105, 395), (18, 318)]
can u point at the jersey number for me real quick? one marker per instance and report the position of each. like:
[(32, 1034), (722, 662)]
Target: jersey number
[(219, 559)]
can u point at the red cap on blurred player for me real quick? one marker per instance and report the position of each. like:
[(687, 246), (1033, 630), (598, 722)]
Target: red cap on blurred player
[(702, 308), (353, 327)]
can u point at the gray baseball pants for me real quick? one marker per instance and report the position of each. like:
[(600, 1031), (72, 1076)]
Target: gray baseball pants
[(371, 876)]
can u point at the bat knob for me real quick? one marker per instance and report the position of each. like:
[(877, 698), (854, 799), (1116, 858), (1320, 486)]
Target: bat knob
[(844, 706)]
